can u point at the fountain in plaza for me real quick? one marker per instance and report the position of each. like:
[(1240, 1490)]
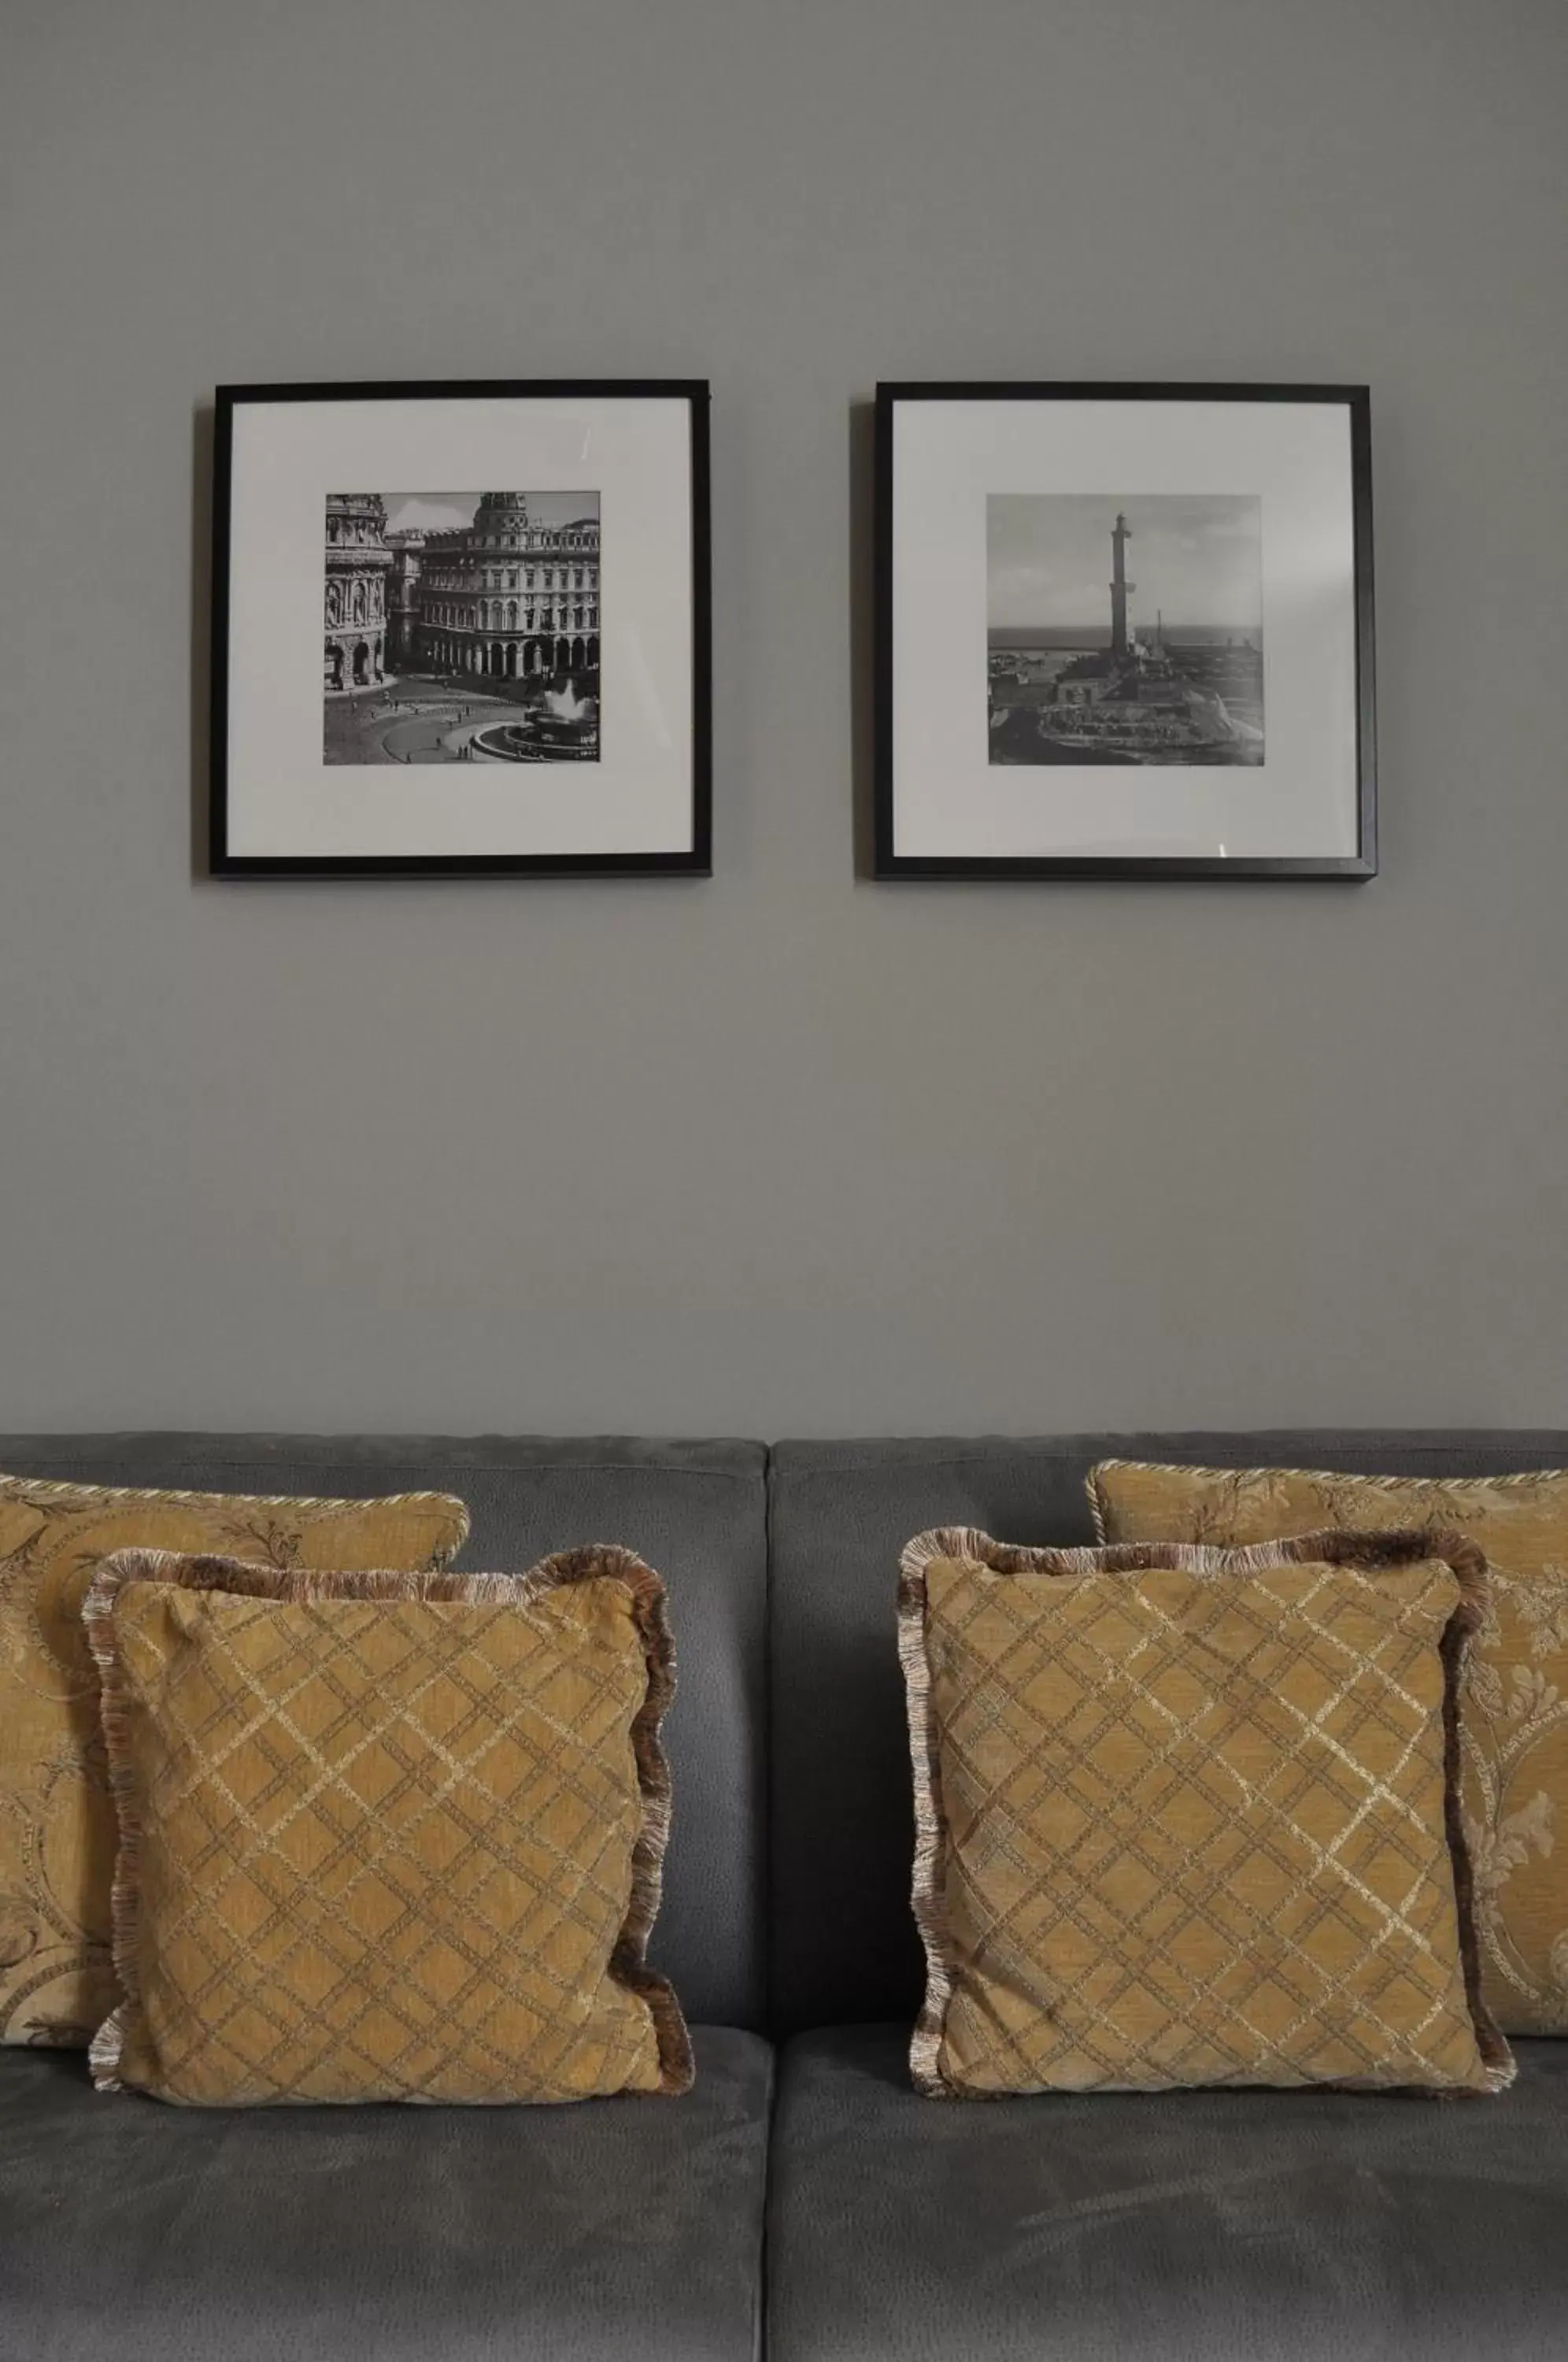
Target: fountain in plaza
[(562, 727)]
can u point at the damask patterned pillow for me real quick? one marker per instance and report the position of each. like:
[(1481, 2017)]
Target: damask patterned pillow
[(1515, 1706), (57, 1823), (384, 1835), (1190, 1815)]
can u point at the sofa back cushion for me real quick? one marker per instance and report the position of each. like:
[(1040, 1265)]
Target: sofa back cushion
[(844, 1946), (693, 1510)]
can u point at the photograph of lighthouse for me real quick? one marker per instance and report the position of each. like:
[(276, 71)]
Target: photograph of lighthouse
[(461, 627), (1124, 628)]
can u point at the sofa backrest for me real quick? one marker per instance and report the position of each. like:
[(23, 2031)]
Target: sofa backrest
[(695, 1511), (841, 1945)]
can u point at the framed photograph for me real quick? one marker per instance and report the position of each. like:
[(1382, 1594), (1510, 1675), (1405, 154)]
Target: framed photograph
[(1124, 631), (432, 679)]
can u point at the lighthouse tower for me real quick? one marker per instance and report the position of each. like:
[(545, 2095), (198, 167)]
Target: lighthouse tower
[(1120, 586)]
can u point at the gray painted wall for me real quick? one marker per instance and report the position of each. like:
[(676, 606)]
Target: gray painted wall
[(786, 1150)]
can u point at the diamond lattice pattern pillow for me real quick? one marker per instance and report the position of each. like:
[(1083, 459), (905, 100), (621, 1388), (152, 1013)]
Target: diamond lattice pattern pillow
[(386, 1837), (1187, 1817)]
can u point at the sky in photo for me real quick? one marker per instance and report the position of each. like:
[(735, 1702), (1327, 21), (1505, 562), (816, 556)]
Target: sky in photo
[(443, 511), (1196, 556)]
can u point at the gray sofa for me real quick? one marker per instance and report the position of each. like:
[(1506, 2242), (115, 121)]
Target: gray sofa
[(801, 2197)]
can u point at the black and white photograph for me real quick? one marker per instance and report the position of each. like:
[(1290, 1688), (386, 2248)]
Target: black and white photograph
[(1091, 663), (461, 627), (1124, 630), (418, 681)]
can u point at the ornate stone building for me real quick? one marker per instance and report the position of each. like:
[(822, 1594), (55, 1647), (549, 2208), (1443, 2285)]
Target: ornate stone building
[(509, 598), (357, 561)]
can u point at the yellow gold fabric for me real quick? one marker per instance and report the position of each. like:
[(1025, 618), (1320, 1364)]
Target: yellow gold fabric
[(1513, 1707), (57, 1824), (385, 1836), (1184, 1818)]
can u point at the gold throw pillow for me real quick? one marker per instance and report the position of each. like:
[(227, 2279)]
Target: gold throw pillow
[(1514, 1707), (1188, 1817), (57, 1824), (386, 1837)]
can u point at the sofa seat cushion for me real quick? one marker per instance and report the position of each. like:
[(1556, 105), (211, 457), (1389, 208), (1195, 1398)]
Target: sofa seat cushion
[(131, 2232), (1209, 2227)]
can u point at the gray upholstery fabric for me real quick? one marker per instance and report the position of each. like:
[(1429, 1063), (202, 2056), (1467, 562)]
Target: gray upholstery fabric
[(131, 2232), (843, 1943), (694, 1510), (1186, 2227)]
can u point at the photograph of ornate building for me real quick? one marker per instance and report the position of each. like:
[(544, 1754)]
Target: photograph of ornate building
[(462, 627)]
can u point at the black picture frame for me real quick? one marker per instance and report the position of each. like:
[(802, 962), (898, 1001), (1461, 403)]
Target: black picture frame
[(696, 860), (888, 864)]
